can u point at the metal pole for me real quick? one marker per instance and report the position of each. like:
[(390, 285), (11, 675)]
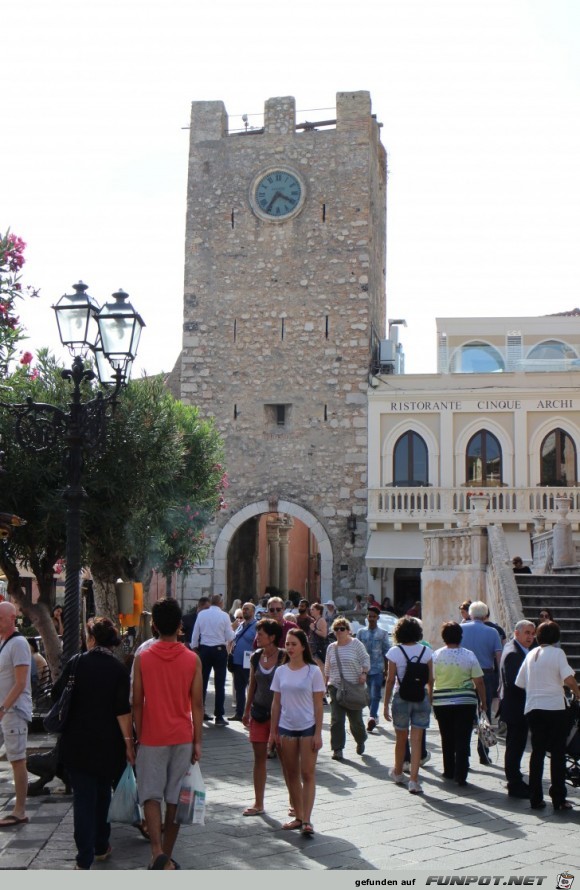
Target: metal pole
[(74, 496)]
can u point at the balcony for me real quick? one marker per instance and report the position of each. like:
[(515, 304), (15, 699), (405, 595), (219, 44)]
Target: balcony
[(448, 507)]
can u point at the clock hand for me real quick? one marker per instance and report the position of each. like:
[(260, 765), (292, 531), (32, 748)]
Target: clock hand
[(275, 198)]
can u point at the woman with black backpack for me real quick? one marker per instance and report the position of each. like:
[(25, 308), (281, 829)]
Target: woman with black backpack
[(410, 675)]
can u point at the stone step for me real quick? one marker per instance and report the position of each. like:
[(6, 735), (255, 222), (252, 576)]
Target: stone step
[(548, 580), (558, 602)]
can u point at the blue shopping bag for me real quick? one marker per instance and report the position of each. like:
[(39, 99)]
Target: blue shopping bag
[(125, 802)]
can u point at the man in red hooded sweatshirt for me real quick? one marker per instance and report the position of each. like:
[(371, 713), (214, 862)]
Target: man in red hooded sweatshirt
[(168, 716)]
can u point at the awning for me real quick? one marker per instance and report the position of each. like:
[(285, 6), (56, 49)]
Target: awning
[(395, 549), (519, 544)]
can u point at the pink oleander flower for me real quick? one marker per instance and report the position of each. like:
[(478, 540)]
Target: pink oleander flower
[(26, 358)]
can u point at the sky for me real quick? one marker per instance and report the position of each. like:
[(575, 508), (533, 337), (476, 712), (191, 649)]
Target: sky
[(480, 106)]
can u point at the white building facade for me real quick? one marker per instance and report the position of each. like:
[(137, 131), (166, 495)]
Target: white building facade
[(498, 426)]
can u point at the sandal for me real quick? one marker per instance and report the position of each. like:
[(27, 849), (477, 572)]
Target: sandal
[(565, 805), (142, 829), (307, 829), (291, 811), (291, 826), (253, 811)]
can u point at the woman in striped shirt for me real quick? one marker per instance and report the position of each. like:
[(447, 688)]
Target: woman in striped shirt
[(355, 664), (458, 683)]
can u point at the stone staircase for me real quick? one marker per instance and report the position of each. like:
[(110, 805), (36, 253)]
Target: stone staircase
[(561, 595)]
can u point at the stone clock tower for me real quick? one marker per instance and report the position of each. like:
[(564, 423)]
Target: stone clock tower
[(284, 302)]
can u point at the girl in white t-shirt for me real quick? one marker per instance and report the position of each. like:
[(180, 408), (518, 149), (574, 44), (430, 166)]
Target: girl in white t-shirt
[(296, 725)]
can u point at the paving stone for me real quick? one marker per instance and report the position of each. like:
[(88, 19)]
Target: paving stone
[(362, 821)]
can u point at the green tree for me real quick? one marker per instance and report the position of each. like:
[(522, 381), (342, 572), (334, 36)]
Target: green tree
[(150, 491)]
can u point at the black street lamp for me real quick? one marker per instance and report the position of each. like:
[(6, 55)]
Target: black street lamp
[(112, 335)]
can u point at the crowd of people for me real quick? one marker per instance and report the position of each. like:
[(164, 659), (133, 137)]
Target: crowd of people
[(285, 661)]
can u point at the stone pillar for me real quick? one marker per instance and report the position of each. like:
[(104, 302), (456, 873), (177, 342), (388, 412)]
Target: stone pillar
[(454, 570), (283, 532), (564, 552), (274, 554)]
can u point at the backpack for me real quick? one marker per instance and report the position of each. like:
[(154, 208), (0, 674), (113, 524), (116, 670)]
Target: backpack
[(412, 686)]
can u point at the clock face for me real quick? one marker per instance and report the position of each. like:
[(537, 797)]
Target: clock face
[(277, 194)]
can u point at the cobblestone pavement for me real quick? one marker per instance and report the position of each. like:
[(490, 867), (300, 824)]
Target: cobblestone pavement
[(362, 819)]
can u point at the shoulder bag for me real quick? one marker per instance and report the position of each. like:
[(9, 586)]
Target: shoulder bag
[(55, 720), (485, 731), (351, 696)]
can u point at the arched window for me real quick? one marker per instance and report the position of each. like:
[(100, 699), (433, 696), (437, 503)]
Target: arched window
[(558, 459), (410, 461), (476, 358), (551, 351), (483, 460)]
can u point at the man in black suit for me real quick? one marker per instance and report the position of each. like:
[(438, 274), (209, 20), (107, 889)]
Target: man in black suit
[(513, 700)]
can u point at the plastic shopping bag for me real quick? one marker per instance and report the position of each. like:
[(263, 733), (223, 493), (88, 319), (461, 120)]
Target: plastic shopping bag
[(191, 803), (125, 802)]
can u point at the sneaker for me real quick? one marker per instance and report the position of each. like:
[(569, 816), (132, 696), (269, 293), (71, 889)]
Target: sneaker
[(360, 748), (406, 767), (235, 717), (207, 718), (102, 857), (398, 778), (415, 788), (337, 755), (426, 759), (219, 721), (371, 724)]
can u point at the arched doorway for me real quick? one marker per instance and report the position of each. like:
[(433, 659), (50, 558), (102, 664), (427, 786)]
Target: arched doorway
[(248, 517)]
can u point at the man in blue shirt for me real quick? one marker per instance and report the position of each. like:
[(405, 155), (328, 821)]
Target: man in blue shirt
[(376, 642), (485, 643), (242, 644)]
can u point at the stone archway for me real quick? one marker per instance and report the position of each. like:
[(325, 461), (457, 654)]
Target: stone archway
[(256, 509)]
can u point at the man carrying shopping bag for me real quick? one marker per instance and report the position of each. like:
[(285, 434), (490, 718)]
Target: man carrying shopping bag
[(168, 715)]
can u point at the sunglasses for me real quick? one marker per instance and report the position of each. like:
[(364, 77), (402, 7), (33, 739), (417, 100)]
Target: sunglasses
[(341, 628), (275, 610)]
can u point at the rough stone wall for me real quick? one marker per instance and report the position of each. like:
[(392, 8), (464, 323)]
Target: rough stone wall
[(280, 312)]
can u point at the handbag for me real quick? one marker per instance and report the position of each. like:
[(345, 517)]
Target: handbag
[(259, 713), (124, 806), (485, 731), (351, 696), (55, 720)]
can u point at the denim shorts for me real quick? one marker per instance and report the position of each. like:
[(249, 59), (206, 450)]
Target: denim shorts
[(296, 733), (405, 713)]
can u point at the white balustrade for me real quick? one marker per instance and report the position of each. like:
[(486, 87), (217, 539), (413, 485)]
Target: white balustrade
[(430, 504)]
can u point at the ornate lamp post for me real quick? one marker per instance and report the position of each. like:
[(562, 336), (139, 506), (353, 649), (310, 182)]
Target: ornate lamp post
[(112, 335)]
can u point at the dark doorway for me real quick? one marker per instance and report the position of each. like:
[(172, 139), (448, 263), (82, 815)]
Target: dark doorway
[(242, 563), (407, 589)]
